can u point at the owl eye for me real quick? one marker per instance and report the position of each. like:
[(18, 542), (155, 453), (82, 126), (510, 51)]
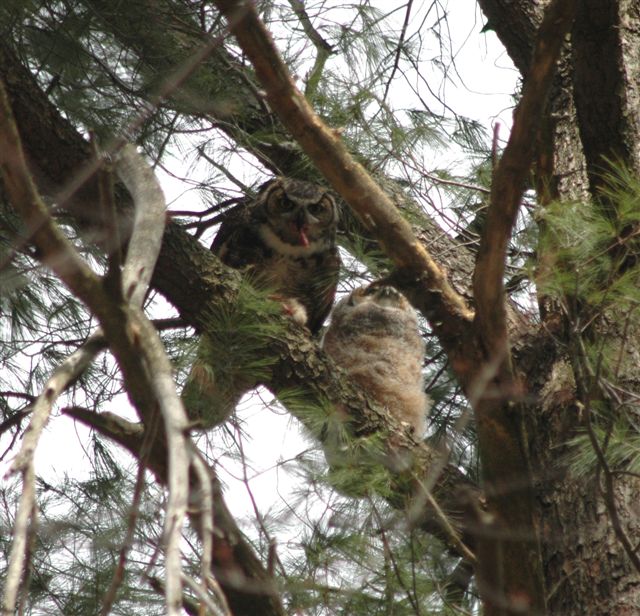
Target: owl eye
[(316, 208), (285, 204), (279, 203), (322, 210)]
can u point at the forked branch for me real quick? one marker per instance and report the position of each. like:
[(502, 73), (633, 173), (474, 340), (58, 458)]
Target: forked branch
[(135, 343), (327, 150)]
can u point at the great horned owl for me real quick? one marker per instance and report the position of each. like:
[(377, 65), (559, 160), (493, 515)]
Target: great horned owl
[(374, 336), (286, 239)]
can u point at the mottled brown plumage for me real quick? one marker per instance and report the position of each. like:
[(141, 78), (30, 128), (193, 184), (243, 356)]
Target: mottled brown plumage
[(286, 241)]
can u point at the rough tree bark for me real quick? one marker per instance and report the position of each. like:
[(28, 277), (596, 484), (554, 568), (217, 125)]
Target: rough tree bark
[(593, 102), (585, 569)]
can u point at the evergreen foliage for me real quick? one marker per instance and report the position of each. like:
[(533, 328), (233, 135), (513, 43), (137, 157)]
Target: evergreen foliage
[(335, 531), (339, 554), (594, 249)]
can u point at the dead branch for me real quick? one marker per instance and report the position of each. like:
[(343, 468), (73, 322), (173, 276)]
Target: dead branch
[(148, 224), (144, 247), (204, 597), (23, 526), (127, 544), (65, 373), (179, 453), (130, 335), (247, 586)]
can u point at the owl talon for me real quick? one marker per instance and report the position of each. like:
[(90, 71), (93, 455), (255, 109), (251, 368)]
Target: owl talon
[(292, 308)]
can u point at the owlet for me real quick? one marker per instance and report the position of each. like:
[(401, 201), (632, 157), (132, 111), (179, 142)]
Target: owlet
[(374, 337)]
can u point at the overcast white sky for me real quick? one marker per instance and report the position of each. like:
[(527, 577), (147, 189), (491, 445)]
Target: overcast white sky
[(482, 90)]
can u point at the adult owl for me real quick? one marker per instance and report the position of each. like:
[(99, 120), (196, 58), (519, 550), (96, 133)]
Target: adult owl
[(373, 335), (286, 241)]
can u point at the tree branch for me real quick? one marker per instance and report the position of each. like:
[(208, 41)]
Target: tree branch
[(349, 178), (248, 587), (147, 371), (148, 224), (323, 49), (506, 578), (399, 49), (509, 180)]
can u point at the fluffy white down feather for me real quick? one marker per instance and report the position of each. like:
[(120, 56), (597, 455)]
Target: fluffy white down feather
[(374, 336)]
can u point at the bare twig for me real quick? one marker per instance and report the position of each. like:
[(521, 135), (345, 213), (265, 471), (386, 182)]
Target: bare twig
[(453, 534), (348, 177), (510, 175), (189, 605), (205, 505), (396, 62), (204, 597), (64, 374), (609, 493), (411, 596), (586, 376), (273, 552), (69, 370), (323, 49), (438, 180), (148, 224), (22, 527), (248, 588), (118, 574), (172, 83)]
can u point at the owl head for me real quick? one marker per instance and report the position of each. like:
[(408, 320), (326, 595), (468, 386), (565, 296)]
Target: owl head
[(376, 307), (296, 217)]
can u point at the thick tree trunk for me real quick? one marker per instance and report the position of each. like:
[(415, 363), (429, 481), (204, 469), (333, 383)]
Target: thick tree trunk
[(586, 568), (606, 60)]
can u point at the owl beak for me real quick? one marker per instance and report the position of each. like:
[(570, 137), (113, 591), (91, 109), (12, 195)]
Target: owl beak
[(302, 227), (304, 240)]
